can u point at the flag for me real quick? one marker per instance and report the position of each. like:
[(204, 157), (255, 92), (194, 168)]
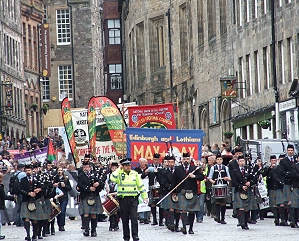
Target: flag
[(51, 153), (91, 117)]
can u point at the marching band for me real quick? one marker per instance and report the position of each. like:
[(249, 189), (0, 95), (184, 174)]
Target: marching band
[(174, 189)]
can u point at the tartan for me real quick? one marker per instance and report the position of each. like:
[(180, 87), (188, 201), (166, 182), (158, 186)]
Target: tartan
[(97, 208), (151, 200), (47, 208), (272, 198), (184, 204), (295, 198), (37, 214), (287, 193), (248, 204), (167, 203), (279, 196)]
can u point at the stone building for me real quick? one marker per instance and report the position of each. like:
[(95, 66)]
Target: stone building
[(12, 115), (180, 50), (76, 54), (32, 13)]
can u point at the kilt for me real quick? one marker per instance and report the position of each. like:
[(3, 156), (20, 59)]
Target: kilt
[(295, 198), (37, 214), (287, 193), (97, 208), (167, 203), (153, 200), (272, 198), (184, 204), (48, 208), (248, 204), (279, 196)]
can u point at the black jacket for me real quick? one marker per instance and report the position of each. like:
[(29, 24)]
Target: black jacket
[(3, 197), (286, 166), (295, 175), (278, 178), (84, 184), (232, 165), (26, 187), (65, 189), (239, 180), (165, 179), (143, 173), (189, 183)]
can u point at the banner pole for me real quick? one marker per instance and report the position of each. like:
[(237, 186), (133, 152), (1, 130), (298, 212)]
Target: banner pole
[(177, 108)]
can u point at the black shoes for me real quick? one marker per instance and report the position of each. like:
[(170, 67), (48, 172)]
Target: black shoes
[(222, 222), (86, 233), (191, 231), (2, 237), (217, 220), (283, 223), (161, 224), (61, 228), (28, 238), (93, 234), (136, 238), (154, 223), (183, 230)]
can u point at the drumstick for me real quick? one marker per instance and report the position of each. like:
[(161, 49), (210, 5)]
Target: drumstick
[(177, 186), (111, 194)]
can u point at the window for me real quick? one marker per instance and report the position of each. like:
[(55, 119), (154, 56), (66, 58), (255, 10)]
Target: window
[(211, 19), (157, 51), (266, 68), (114, 31), (256, 72), (248, 76), (115, 72), (240, 15), (65, 82), (45, 14), (223, 27), (281, 62), (63, 27), (289, 63), (264, 6), (183, 33), (242, 78), (280, 3), (247, 12), (46, 88), (200, 23), (140, 49), (254, 9)]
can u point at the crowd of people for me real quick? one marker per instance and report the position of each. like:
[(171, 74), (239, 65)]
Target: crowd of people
[(179, 190)]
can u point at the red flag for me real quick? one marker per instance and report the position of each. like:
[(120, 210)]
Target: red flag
[(51, 153)]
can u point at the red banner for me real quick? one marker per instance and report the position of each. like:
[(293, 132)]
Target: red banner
[(152, 116)]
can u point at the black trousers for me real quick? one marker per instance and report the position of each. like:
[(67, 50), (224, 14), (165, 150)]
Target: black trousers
[(128, 210)]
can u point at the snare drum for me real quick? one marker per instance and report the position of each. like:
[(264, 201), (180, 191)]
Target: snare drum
[(219, 191), (55, 211), (110, 206), (154, 192)]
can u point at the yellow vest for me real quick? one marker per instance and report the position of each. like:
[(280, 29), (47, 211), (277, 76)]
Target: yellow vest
[(128, 184)]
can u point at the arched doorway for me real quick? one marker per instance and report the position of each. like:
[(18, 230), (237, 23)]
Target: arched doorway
[(204, 124), (225, 116)]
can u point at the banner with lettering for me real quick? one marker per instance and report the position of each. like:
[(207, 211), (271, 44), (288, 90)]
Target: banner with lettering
[(27, 157), (68, 125), (115, 123), (91, 117), (145, 142), (152, 116), (104, 149)]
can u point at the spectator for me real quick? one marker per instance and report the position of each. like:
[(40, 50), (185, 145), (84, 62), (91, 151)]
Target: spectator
[(33, 141), (215, 149)]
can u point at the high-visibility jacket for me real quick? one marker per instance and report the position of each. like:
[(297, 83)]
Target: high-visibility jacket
[(128, 184)]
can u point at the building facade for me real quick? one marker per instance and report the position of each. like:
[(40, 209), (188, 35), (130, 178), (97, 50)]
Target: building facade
[(112, 51), (32, 13), (76, 53), (180, 50), (12, 115)]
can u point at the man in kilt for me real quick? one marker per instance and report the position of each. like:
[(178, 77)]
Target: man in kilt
[(154, 195), (272, 185), (219, 174), (285, 169), (165, 178), (244, 200), (295, 195), (90, 205), (187, 191), (32, 203)]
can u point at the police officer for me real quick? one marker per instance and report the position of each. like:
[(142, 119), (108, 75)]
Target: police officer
[(129, 186)]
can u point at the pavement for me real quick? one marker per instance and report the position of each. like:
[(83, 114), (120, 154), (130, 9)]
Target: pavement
[(209, 230)]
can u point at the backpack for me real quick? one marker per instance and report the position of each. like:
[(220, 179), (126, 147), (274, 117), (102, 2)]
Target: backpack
[(14, 185)]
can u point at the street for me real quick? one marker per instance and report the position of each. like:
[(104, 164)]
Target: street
[(208, 230)]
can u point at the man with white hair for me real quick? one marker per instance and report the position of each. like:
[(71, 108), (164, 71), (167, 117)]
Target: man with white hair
[(142, 169)]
